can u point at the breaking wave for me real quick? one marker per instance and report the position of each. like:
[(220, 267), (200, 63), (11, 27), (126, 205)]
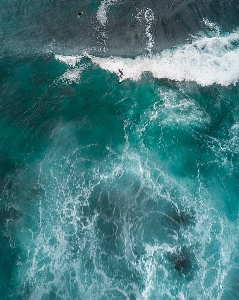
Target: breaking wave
[(206, 60)]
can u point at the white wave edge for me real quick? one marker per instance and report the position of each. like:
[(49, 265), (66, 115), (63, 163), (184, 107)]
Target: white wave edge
[(69, 60), (205, 61)]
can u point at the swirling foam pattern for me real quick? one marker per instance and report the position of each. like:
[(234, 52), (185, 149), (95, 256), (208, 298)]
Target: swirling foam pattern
[(120, 190)]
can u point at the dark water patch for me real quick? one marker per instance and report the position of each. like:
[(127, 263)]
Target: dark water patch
[(35, 190), (109, 224), (182, 218), (114, 256), (44, 26), (153, 228), (180, 161), (24, 80), (108, 234), (227, 192), (174, 215), (184, 261), (86, 106), (107, 207), (26, 118), (219, 102), (9, 170), (172, 23), (9, 253), (224, 12), (7, 165), (36, 106), (8, 215), (180, 121), (159, 221)]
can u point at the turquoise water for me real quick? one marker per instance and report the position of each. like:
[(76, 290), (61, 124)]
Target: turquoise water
[(121, 190)]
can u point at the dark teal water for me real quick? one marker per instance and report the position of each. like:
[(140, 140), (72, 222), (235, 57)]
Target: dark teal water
[(120, 190)]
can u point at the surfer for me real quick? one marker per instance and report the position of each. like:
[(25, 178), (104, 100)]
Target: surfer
[(80, 14), (121, 75)]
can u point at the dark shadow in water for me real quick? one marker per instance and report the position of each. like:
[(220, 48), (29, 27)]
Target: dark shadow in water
[(108, 209), (7, 166), (111, 250), (176, 218), (9, 254), (55, 24), (9, 214), (184, 262), (183, 218)]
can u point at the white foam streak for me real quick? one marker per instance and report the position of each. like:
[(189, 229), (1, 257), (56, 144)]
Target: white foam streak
[(213, 27), (205, 61), (147, 15), (73, 74), (69, 60), (102, 11)]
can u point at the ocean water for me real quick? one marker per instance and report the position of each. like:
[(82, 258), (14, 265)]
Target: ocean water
[(115, 191)]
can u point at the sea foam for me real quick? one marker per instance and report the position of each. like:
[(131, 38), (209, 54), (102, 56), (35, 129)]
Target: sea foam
[(102, 11), (69, 60), (206, 60)]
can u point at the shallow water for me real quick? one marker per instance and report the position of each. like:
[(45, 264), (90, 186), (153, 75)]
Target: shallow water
[(119, 190)]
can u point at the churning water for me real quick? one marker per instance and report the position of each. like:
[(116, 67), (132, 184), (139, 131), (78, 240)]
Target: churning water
[(115, 191)]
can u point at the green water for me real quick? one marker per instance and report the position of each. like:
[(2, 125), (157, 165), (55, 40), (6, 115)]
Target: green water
[(116, 191)]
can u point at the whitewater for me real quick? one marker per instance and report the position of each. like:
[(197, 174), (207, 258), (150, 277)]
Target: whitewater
[(119, 190), (206, 60)]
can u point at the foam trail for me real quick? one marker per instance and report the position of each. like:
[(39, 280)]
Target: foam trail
[(102, 11), (205, 61), (148, 16)]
